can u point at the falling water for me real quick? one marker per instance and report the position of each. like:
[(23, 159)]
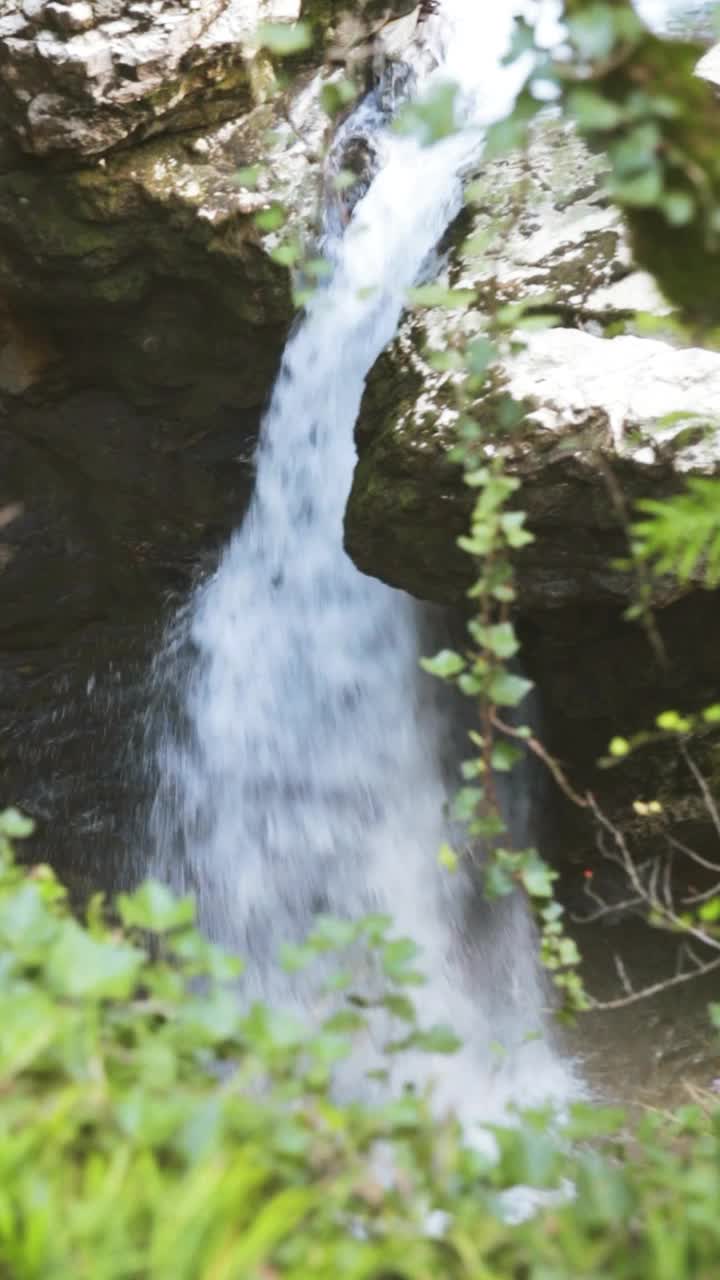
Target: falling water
[(307, 778)]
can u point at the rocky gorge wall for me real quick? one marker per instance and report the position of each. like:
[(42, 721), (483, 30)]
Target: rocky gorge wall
[(142, 315), (610, 420)]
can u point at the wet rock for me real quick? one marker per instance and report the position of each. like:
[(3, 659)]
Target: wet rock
[(107, 515)]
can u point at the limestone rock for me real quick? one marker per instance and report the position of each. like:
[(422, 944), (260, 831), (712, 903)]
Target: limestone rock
[(595, 402), (80, 78), (112, 261)]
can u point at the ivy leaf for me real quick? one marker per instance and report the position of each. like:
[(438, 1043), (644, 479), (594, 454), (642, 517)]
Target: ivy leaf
[(439, 295), (498, 881), (331, 934), (153, 906), (15, 825), (78, 966), (438, 1039), (499, 639), (507, 690), (284, 38), (445, 664), (270, 219), (399, 1006), (448, 858), (640, 191), (431, 119), (537, 877), (592, 111), (504, 756), (481, 354)]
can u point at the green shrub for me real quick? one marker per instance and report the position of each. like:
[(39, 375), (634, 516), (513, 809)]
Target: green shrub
[(152, 1127)]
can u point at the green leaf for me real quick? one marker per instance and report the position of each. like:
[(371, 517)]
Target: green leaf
[(431, 119), (673, 722), (516, 534), (248, 177), (498, 881), (466, 802), (640, 190), (438, 295), (437, 1040), (284, 38), (678, 207), (446, 665), (332, 934), (399, 1006), (154, 907), (77, 966), (270, 219), (499, 639), (507, 690), (335, 97), (504, 756), (592, 111), (398, 955), (481, 354), (448, 858), (537, 876), (15, 825)]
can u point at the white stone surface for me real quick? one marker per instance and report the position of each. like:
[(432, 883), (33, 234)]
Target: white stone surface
[(633, 384), (82, 78)]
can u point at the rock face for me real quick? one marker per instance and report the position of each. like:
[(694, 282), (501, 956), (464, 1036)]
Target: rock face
[(80, 77), (545, 231), (142, 315), (628, 414), (108, 264), (554, 238)]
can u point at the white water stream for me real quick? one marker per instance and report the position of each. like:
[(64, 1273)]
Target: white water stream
[(309, 778)]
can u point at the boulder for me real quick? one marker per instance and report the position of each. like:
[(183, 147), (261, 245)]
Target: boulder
[(635, 405)]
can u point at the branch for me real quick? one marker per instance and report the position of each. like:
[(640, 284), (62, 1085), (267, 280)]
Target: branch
[(533, 744), (704, 788), (646, 992)]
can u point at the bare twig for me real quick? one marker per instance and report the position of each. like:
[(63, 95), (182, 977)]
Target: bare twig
[(607, 909), (692, 853), (668, 914), (633, 997), (703, 786), (533, 744)]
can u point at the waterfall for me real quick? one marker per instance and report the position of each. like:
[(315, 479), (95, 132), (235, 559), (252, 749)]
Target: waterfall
[(307, 775)]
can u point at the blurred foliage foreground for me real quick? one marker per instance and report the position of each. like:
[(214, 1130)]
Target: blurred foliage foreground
[(151, 1126)]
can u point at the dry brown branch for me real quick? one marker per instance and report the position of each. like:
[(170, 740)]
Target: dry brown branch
[(533, 744)]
